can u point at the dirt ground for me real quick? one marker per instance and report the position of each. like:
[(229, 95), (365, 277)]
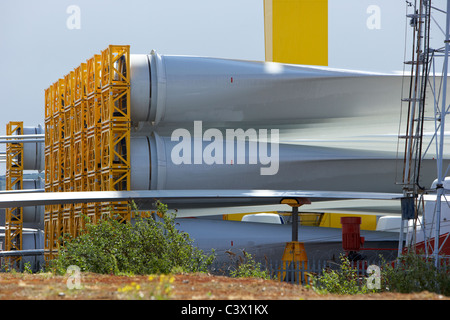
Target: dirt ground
[(88, 286)]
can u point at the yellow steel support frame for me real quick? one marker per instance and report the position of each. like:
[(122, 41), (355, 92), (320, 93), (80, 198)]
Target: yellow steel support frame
[(68, 227), (14, 181), (87, 141), (59, 161), (57, 114), (79, 143), (294, 251), (93, 122), (115, 129), (94, 67), (80, 179), (93, 172), (48, 157)]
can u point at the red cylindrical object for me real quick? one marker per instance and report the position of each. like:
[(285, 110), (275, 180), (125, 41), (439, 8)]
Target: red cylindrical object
[(351, 239)]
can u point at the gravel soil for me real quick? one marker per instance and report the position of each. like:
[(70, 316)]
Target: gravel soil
[(89, 286)]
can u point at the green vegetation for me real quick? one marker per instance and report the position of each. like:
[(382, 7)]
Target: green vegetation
[(412, 273), (248, 268), (154, 246), (146, 247), (345, 280)]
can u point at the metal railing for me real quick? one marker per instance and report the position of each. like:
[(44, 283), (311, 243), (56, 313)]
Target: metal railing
[(298, 272)]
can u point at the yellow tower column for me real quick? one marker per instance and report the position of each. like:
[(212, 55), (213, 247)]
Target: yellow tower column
[(79, 143), (87, 142), (68, 150), (115, 127), (93, 136), (49, 168), (296, 31), (14, 181)]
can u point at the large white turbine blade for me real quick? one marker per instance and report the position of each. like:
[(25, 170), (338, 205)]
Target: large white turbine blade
[(191, 196)]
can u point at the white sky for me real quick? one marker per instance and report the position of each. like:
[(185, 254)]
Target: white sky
[(38, 47)]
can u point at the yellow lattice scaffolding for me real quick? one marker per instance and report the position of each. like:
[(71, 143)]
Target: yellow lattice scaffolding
[(87, 141), (93, 123), (14, 181), (115, 129), (48, 158)]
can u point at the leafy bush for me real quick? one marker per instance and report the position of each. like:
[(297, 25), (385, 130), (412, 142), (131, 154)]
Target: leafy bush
[(247, 267), (343, 281), (412, 273), (415, 273), (146, 247)]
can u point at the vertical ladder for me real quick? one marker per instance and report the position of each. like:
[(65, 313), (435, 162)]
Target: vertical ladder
[(423, 58), (415, 106), (415, 99)]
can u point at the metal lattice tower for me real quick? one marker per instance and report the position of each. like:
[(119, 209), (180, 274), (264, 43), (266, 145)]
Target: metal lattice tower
[(415, 100), (87, 142), (14, 181), (423, 81)]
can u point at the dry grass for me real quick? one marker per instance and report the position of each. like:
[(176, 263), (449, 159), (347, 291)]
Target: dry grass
[(47, 286)]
